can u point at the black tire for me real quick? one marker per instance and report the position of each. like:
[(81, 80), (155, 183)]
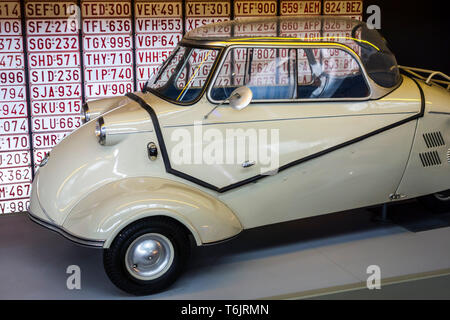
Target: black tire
[(438, 202), (114, 257)]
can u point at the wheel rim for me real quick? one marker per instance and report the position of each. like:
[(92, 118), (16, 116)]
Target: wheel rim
[(443, 196), (149, 256)]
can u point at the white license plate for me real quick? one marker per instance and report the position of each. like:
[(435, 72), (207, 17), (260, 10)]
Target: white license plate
[(56, 123), (107, 26), (53, 43), (119, 58), (11, 60), (48, 140), (55, 91), (54, 60), (51, 26), (13, 110), (157, 40), (107, 42), (14, 126), (15, 191), (14, 142), (152, 56), (56, 107), (151, 25), (108, 74), (15, 175), (15, 159), (63, 75), (99, 90), (13, 206), (11, 44)]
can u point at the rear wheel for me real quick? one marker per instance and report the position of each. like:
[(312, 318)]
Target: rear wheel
[(438, 202), (147, 256)]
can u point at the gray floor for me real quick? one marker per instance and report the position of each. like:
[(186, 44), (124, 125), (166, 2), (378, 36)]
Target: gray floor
[(307, 255)]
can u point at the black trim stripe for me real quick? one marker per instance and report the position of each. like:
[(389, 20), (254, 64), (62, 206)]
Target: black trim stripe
[(202, 183)]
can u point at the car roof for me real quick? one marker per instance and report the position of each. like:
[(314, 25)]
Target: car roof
[(319, 29)]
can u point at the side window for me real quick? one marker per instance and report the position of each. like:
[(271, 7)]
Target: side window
[(268, 72), (329, 74)]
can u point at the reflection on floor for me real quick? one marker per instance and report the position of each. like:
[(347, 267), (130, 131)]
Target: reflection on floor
[(311, 254)]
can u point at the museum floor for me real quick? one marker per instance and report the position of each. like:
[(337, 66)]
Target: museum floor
[(309, 258)]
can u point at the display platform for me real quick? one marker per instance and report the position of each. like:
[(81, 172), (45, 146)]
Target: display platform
[(308, 258)]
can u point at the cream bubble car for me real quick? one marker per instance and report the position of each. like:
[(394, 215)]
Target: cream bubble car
[(248, 123)]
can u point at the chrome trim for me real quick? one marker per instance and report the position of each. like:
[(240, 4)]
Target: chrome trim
[(66, 234), (300, 45), (100, 130), (288, 119)]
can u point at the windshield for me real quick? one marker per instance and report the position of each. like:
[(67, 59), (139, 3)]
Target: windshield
[(379, 61), (184, 74)]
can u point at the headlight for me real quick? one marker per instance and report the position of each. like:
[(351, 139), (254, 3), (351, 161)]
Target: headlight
[(86, 116), (100, 131)]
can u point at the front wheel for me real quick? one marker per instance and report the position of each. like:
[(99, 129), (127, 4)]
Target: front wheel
[(438, 202), (147, 256)]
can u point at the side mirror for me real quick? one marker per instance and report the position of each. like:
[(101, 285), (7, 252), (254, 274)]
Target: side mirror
[(240, 98)]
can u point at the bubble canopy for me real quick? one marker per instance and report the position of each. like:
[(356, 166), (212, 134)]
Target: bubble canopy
[(372, 49)]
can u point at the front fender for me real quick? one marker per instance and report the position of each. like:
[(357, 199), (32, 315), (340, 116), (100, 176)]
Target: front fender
[(105, 212)]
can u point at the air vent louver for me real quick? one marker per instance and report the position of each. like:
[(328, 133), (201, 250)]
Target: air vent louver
[(448, 155), (434, 139), (430, 159)]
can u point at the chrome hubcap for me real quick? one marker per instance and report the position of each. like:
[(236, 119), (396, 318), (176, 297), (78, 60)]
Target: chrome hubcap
[(149, 256)]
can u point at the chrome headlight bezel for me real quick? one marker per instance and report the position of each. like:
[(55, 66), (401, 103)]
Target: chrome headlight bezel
[(100, 130), (86, 115)]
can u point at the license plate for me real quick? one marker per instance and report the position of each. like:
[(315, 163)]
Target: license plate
[(108, 74), (48, 140), (107, 26), (51, 26), (295, 8), (192, 23), (56, 123), (99, 90), (55, 91), (255, 8), (152, 25), (48, 9), (13, 206), (15, 175), (152, 56), (157, 41), (333, 7), (11, 44), (63, 75), (54, 60), (107, 43), (15, 191), (10, 9), (53, 43), (39, 155), (14, 126), (10, 27), (13, 110), (105, 9), (120, 58), (15, 159), (11, 60), (14, 142), (56, 107), (158, 9)]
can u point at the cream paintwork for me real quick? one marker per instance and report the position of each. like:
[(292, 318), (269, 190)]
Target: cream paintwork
[(100, 106), (94, 191)]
